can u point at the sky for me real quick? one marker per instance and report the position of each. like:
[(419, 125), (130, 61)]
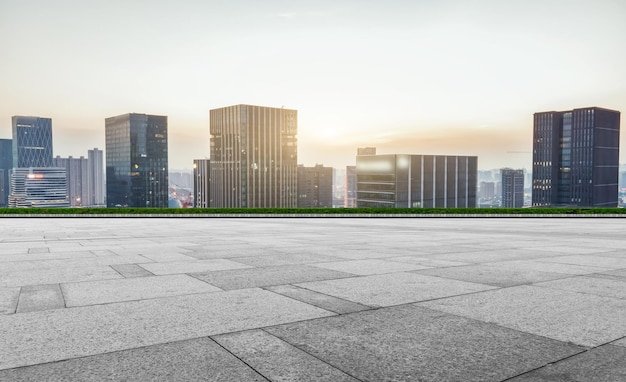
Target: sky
[(451, 77)]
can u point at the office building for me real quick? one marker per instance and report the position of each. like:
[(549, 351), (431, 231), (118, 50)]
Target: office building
[(201, 189), (6, 164), (76, 178), (512, 188), (315, 186), (350, 197), (366, 151), (136, 161), (254, 157), (575, 158), (43, 187), (95, 178), (32, 142), (487, 190), (419, 181)]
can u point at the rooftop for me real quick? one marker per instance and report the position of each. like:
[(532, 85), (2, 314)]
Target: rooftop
[(313, 299)]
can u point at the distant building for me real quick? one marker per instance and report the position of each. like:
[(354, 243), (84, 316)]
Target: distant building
[(32, 142), (43, 187), (487, 190), (6, 164), (315, 186), (254, 157), (512, 188), (95, 178), (76, 179), (576, 158), (366, 151), (350, 198), (416, 181), (136, 161), (201, 185)]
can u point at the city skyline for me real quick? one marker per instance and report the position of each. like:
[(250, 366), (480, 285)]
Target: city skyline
[(424, 77)]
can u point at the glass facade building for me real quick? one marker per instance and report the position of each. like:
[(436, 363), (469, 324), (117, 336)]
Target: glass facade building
[(136, 161), (38, 187), (254, 157), (6, 164), (512, 188), (32, 141), (416, 181), (576, 158), (201, 183)]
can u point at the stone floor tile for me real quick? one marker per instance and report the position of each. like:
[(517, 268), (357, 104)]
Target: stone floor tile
[(284, 259), (393, 288), (369, 266), (543, 266), (601, 364), (35, 298), (579, 318), (57, 275), (131, 270), (277, 360), (589, 285), (320, 300), (266, 276), (426, 262), (166, 256), (589, 260), (174, 267), (492, 275), (410, 343), (230, 251), (108, 291), (192, 360), (54, 335), (8, 300), (620, 342)]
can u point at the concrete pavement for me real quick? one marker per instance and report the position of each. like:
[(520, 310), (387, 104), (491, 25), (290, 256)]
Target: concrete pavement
[(313, 299)]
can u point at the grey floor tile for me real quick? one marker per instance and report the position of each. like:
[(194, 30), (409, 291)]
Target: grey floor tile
[(266, 276), (620, 342), (34, 298), (284, 259), (393, 289), (57, 275), (108, 291), (320, 300), (192, 360), (582, 319), (589, 260), (369, 266), (426, 262), (492, 275), (409, 343), (543, 266), (8, 300), (590, 285), (603, 364), (230, 251), (164, 256), (169, 268), (277, 360), (53, 335), (131, 270)]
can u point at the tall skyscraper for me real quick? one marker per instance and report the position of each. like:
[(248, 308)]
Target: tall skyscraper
[(6, 164), (95, 177), (349, 199), (43, 187), (76, 179), (576, 158), (440, 181), (512, 188), (253, 157), (315, 186), (32, 141), (136, 161), (201, 192)]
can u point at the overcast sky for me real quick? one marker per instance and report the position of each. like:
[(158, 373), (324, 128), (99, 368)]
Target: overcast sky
[(456, 77)]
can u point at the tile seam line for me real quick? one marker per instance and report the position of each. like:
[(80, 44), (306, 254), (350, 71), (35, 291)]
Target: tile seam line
[(238, 358), (317, 306)]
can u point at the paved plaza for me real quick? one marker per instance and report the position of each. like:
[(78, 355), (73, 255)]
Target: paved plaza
[(313, 299)]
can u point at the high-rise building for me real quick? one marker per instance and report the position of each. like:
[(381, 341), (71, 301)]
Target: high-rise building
[(440, 181), (201, 192), (350, 198), (576, 158), (95, 178), (512, 188), (366, 151), (136, 161), (315, 186), (43, 187), (254, 157), (487, 190), (32, 141), (6, 164), (76, 179)]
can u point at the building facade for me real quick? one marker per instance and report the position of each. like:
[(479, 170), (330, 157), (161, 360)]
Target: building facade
[(576, 158), (6, 164), (76, 179), (43, 187), (350, 197), (315, 186), (32, 142), (136, 161), (254, 157), (95, 178), (201, 183), (512, 188), (416, 181)]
